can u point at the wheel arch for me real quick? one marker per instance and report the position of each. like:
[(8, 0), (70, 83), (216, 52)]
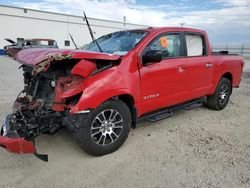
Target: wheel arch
[(228, 75), (129, 101), (92, 102)]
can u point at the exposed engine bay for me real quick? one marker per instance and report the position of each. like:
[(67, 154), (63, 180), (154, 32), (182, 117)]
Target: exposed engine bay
[(35, 110), (51, 88)]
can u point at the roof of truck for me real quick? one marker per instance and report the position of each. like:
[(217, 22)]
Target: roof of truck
[(166, 29), (174, 29)]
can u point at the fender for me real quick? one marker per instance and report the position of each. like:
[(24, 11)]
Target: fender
[(235, 82), (223, 68), (106, 85), (216, 81)]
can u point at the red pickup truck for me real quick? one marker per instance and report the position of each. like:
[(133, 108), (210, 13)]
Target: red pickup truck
[(142, 74)]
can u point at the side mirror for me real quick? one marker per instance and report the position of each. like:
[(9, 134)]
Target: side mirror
[(151, 56)]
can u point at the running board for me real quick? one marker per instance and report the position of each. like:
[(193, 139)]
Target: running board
[(159, 116), (193, 106), (168, 112)]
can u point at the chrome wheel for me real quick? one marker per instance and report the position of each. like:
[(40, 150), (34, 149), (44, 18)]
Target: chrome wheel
[(106, 127), (224, 94)]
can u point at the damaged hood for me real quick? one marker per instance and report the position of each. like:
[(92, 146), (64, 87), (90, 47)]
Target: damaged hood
[(32, 57)]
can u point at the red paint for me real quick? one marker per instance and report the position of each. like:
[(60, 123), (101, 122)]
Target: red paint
[(172, 81), (169, 82), (167, 78), (83, 68), (17, 145), (118, 80), (67, 87), (70, 86), (34, 56)]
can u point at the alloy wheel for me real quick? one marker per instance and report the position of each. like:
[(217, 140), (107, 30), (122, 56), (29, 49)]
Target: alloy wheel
[(224, 94), (106, 127)]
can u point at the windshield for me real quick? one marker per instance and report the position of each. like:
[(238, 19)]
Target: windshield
[(117, 43)]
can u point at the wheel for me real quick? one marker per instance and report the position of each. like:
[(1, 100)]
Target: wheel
[(220, 98), (104, 129)]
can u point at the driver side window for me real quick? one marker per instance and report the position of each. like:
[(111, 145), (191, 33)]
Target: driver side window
[(168, 44)]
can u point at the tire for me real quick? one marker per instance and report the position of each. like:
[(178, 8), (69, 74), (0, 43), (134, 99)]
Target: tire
[(98, 136), (220, 98)]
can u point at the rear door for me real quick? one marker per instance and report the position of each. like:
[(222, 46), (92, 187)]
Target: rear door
[(200, 65), (164, 83)]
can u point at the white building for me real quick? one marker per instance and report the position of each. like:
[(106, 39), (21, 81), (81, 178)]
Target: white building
[(22, 23)]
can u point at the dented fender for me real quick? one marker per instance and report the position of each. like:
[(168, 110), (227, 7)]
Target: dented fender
[(70, 86), (104, 86)]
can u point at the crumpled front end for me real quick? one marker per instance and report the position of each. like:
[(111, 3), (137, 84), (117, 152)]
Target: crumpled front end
[(54, 81), (12, 142), (17, 145)]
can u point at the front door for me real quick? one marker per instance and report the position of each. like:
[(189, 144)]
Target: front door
[(164, 83)]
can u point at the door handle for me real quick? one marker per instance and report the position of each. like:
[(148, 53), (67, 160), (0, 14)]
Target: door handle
[(209, 65)]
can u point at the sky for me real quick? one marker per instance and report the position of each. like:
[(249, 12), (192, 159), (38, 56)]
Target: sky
[(226, 21)]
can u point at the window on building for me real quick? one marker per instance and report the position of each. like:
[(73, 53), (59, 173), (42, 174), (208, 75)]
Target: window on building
[(51, 43), (169, 44), (66, 43), (195, 45), (20, 41)]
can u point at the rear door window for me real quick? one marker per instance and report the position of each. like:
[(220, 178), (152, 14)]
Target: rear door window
[(195, 45)]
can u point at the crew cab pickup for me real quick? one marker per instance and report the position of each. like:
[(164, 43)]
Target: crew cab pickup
[(101, 91)]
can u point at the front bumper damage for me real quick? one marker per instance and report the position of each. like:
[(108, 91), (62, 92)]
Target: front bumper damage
[(54, 81), (13, 143), (17, 145)]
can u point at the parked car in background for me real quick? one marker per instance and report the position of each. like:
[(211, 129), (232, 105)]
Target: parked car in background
[(16, 47)]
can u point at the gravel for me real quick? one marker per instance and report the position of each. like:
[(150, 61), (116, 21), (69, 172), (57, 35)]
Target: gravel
[(195, 148)]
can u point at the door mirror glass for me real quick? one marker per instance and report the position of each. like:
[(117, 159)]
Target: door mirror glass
[(151, 56)]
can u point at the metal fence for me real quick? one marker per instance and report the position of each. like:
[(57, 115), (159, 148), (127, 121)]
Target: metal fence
[(243, 50)]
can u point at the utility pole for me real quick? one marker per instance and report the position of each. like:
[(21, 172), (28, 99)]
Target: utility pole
[(124, 21), (242, 49), (182, 24)]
